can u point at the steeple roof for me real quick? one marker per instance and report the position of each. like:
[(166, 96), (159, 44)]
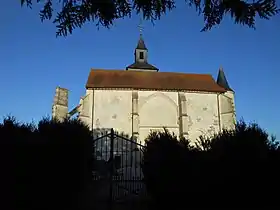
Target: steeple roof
[(144, 66), (141, 58), (141, 44), (222, 80)]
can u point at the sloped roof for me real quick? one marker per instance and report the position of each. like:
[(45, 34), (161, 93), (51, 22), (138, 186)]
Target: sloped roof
[(141, 44), (222, 80), (100, 78), (143, 65)]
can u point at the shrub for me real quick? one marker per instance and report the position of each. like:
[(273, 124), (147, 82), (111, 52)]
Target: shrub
[(232, 169), (44, 165), (163, 158), (243, 165)]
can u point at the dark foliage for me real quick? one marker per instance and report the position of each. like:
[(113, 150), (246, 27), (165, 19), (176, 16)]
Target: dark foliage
[(75, 13), (234, 169), (44, 166), (164, 165)]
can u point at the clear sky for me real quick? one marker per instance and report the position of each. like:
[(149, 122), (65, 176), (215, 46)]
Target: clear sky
[(33, 61)]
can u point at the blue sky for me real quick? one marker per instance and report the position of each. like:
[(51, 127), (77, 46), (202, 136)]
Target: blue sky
[(33, 61)]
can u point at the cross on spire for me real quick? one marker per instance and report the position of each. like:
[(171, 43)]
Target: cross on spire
[(140, 26)]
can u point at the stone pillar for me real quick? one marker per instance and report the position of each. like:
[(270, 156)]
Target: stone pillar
[(183, 117), (60, 105), (135, 116)]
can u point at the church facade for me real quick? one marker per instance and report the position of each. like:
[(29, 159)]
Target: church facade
[(141, 99)]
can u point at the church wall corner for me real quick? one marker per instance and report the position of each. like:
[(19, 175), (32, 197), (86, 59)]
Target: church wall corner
[(227, 110), (85, 109), (203, 117)]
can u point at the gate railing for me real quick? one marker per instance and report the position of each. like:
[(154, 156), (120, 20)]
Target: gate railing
[(118, 162)]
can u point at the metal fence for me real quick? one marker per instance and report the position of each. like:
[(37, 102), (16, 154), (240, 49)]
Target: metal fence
[(117, 169)]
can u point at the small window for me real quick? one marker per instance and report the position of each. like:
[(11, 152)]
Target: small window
[(141, 55)]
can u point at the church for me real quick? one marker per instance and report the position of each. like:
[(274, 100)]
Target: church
[(140, 98)]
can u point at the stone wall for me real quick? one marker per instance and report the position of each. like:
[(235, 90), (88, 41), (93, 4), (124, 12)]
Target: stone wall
[(113, 109), (227, 110), (189, 114), (60, 104), (203, 117), (86, 108), (156, 111)]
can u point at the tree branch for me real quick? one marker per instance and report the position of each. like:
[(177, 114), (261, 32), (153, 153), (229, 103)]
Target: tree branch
[(75, 13)]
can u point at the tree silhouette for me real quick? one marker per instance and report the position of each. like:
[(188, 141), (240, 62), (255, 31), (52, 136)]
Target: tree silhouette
[(75, 13)]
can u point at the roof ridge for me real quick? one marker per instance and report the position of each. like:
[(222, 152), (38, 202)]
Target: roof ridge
[(162, 72)]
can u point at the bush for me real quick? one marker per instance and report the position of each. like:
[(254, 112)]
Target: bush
[(45, 166), (232, 169), (163, 158), (245, 161)]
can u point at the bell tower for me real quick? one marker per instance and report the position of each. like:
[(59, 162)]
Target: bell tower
[(141, 55)]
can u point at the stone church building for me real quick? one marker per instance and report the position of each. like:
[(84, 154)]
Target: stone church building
[(141, 98)]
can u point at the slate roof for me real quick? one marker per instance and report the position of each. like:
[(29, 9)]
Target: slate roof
[(141, 44), (222, 80), (142, 65), (100, 78)]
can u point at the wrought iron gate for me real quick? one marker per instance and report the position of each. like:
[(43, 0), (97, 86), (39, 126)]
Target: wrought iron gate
[(117, 174)]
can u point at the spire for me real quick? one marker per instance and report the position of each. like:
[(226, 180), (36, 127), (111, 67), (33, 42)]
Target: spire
[(222, 81), (141, 44), (141, 27), (141, 54)]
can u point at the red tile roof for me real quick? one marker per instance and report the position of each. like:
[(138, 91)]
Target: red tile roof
[(99, 78)]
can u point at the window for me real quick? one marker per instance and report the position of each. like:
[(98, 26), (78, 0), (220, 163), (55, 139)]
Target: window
[(141, 55)]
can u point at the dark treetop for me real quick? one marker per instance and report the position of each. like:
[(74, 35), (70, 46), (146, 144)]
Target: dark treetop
[(74, 13)]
